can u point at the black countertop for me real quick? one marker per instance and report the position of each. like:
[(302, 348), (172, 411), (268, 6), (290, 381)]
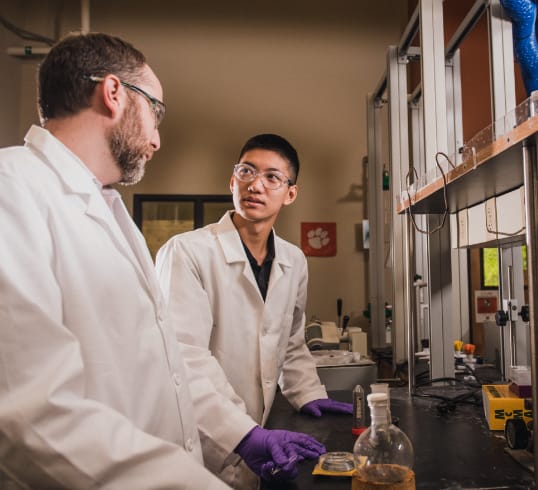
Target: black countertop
[(454, 448)]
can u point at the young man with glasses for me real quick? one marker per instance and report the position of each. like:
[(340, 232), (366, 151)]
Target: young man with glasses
[(236, 295), (93, 389)]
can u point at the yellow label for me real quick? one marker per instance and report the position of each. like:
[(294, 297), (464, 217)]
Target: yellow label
[(500, 404)]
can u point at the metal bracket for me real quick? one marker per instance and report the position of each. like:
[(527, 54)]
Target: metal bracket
[(510, 307)]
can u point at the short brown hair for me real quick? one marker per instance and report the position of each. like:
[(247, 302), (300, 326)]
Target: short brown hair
[(63, 85)]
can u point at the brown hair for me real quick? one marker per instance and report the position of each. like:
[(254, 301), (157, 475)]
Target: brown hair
[(63, 85)]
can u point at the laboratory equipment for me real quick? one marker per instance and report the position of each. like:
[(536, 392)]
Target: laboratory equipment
[(359, 410), (519, 434), (338, 461), (383, 453)]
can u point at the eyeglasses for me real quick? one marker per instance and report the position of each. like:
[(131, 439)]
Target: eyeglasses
[(157, 106), (271, 179)]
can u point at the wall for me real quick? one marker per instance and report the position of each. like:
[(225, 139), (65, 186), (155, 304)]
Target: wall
[(233, 69), (10, 86)]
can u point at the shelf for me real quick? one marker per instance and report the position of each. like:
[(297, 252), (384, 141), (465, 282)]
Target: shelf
[(494, 169)]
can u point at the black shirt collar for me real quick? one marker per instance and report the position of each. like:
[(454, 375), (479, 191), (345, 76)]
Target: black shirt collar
[(263, 271)]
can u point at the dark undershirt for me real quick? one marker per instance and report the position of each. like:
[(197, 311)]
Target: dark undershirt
[(262, 272)]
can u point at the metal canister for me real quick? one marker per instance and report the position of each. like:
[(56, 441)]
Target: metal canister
[(359, 407)]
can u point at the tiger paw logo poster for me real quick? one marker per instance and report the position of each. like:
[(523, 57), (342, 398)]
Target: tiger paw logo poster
[(318, 239)]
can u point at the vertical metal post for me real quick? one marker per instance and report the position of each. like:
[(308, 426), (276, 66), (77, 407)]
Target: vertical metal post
[(399, 167), (422, 307), (511, 289), (513, 346), (85, 16), (376, 263), (410, 299), (459, 256), (501, 64), (435, 140), (530, 177), (502, 348), (503, 99)]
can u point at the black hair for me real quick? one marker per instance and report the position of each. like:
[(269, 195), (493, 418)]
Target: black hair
[(276, 143)]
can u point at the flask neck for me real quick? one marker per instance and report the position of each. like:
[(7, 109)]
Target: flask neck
[(379, 415)]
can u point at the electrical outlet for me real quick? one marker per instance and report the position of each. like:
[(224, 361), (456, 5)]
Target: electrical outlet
[(523, 211), (463, 229), (491, 217)]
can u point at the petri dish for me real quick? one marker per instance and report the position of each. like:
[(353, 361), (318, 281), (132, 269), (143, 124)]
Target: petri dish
[(337, 461)]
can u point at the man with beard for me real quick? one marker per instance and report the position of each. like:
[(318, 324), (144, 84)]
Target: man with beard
[(93, 390)]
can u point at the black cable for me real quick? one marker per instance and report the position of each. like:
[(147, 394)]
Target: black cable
[(27, 35), (448, 404), (445, 198), (438, 380)]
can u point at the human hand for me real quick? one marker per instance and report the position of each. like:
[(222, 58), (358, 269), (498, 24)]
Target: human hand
[(274, 454), (316, 407)]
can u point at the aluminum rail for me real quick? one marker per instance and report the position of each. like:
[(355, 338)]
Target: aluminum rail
[(408, 35), (530, 173), (466, 26)]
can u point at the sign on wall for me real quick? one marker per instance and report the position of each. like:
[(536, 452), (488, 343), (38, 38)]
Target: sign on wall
[(318, 239)]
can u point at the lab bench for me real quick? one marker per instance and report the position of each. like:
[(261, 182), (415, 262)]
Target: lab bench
[(454, 448)]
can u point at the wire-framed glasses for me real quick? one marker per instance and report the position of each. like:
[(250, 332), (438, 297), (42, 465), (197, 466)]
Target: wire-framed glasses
[(271, 179), (157, 106)]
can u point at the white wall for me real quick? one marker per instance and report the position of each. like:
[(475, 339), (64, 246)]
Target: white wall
[(230, 70)]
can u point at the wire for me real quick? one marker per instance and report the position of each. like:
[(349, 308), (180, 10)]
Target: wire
[(445, 199), (447, 403), (497, 232), (27, 35)]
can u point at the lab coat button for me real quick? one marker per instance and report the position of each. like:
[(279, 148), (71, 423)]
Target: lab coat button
[(189, 446), (177, 379)]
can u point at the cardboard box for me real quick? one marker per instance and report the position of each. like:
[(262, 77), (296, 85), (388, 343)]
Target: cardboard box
[(500, 404)]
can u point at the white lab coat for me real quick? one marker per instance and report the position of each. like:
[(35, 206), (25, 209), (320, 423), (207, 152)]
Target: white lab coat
[(215, 306), (93, 392)]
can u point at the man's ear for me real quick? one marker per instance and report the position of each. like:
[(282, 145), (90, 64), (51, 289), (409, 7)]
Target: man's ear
[(291, 194), (232, 184), (112, 96)]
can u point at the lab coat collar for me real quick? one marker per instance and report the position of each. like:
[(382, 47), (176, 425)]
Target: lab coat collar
[(78, 179), (232, 247), (69, 168)]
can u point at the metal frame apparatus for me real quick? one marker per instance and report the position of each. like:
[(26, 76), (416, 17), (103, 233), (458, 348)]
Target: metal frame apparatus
[(510, 263), (376, 279), (530, 176), (430, 121)]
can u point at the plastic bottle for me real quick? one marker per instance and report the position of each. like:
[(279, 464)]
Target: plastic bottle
[(383, 453)]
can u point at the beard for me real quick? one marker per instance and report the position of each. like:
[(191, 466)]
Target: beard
[(127, 148)]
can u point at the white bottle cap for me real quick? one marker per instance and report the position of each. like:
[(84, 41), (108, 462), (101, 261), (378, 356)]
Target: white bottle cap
[(376, 398)]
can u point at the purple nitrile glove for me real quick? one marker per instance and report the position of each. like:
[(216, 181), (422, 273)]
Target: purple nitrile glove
[(316, 407), (274, 454)]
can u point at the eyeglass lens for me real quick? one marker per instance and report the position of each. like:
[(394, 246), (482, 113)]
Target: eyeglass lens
[(157, 106), (271, 179)]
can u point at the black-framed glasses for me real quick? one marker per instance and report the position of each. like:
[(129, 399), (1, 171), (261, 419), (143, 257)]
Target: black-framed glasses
[(271, 179), (157, 106)]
